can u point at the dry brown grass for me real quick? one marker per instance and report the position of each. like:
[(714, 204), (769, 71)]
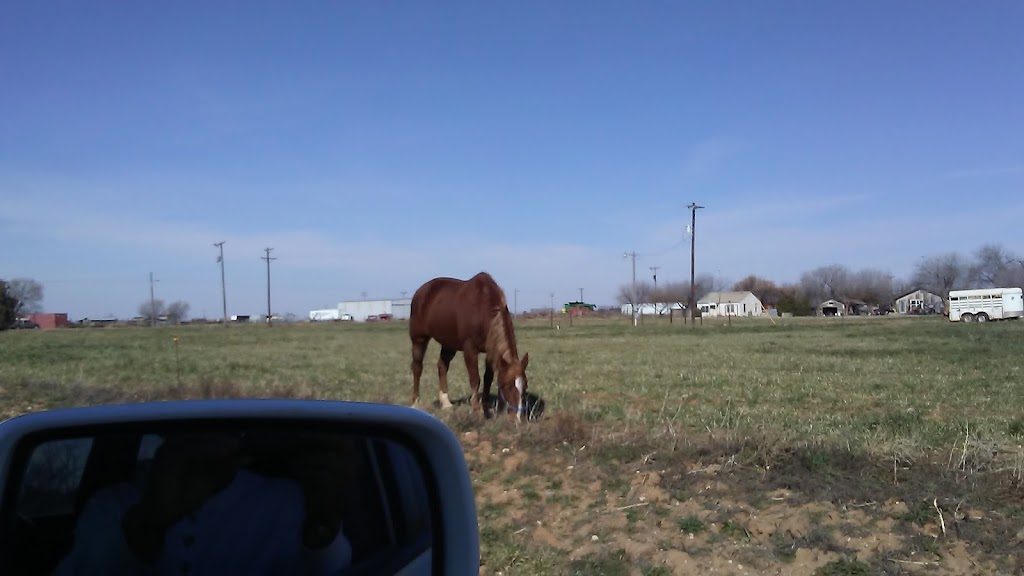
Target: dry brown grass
[(782, 440)]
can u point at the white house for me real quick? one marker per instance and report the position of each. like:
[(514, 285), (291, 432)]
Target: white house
[(653, 308), (730, 304)]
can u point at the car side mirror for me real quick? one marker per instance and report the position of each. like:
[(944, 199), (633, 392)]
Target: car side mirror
[(235, 486)]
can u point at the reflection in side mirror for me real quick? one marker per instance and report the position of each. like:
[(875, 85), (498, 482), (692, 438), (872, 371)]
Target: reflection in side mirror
[(229, 496)]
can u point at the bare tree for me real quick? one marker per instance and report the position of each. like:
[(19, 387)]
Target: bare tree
[(825, 282), (793, 300), (871, 285), (643, 291), (177, 311), (765, 290), (28, 295), (151, 310), (1018, 273), (670, 292), (942, 273), (993, 266)]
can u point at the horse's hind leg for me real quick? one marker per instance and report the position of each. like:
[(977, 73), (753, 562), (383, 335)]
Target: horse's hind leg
[(442, 376), (419, 348)]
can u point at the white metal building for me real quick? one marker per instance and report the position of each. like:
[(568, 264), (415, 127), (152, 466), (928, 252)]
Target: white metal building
[(652, 309), (360, 310)]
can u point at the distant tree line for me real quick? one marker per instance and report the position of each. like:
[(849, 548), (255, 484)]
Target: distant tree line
[(989, 266), (22, 296)]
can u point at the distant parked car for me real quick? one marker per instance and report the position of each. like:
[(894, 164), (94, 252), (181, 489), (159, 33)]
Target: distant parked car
[(22, 323), (384, 317), (346, 317), (371, 318)]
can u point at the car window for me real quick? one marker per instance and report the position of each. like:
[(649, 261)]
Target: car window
[(52, 478), (375, 485)]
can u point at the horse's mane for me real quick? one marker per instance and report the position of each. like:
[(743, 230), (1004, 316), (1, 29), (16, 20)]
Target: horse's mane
[(501, 344)]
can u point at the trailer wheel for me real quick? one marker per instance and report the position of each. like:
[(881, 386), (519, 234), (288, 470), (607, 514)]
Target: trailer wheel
[(982, 317), (967, 318)]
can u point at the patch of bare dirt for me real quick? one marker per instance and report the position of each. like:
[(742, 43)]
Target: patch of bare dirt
[(694, 513)]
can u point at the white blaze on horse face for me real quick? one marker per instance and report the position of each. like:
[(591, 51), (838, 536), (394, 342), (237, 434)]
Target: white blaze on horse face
[(522, 396)]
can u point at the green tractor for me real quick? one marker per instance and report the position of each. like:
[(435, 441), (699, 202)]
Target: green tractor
[(577, 308)]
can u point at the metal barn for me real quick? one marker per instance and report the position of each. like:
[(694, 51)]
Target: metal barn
[(360, 310)]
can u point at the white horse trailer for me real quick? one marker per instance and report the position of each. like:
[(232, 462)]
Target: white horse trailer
[(985, 304)]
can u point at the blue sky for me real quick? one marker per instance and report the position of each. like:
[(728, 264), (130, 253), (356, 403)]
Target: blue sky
[(375, 145)]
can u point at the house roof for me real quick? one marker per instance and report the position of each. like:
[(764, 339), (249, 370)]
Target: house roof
[(831, 303), (909, 292), (724, 297)]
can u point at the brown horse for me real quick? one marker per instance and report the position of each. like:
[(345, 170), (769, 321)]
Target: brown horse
[(468, 316)]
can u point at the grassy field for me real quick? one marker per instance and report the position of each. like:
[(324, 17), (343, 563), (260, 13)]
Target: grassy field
[(829, 446)]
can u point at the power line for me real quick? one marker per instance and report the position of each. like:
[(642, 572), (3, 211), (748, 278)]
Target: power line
[(672, 248)]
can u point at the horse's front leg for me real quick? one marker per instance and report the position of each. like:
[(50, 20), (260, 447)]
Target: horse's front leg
[(442, 376), (473, 367), (488, 379), (419, 348)]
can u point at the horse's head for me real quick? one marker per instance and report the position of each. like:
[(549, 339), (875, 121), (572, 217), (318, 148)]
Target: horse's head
[(512, 383)]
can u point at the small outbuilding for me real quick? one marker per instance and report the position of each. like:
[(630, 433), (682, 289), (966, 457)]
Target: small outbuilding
[(831, 308)]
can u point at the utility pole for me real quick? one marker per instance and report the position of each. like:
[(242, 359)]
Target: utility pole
[(581, 295), (693, 241), (515, 302), (152, 301), (223, 289), (268, 259), (654, 273), (552, 313), (633, 306)]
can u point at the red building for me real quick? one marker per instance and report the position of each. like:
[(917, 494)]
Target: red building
[(49, 320)]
